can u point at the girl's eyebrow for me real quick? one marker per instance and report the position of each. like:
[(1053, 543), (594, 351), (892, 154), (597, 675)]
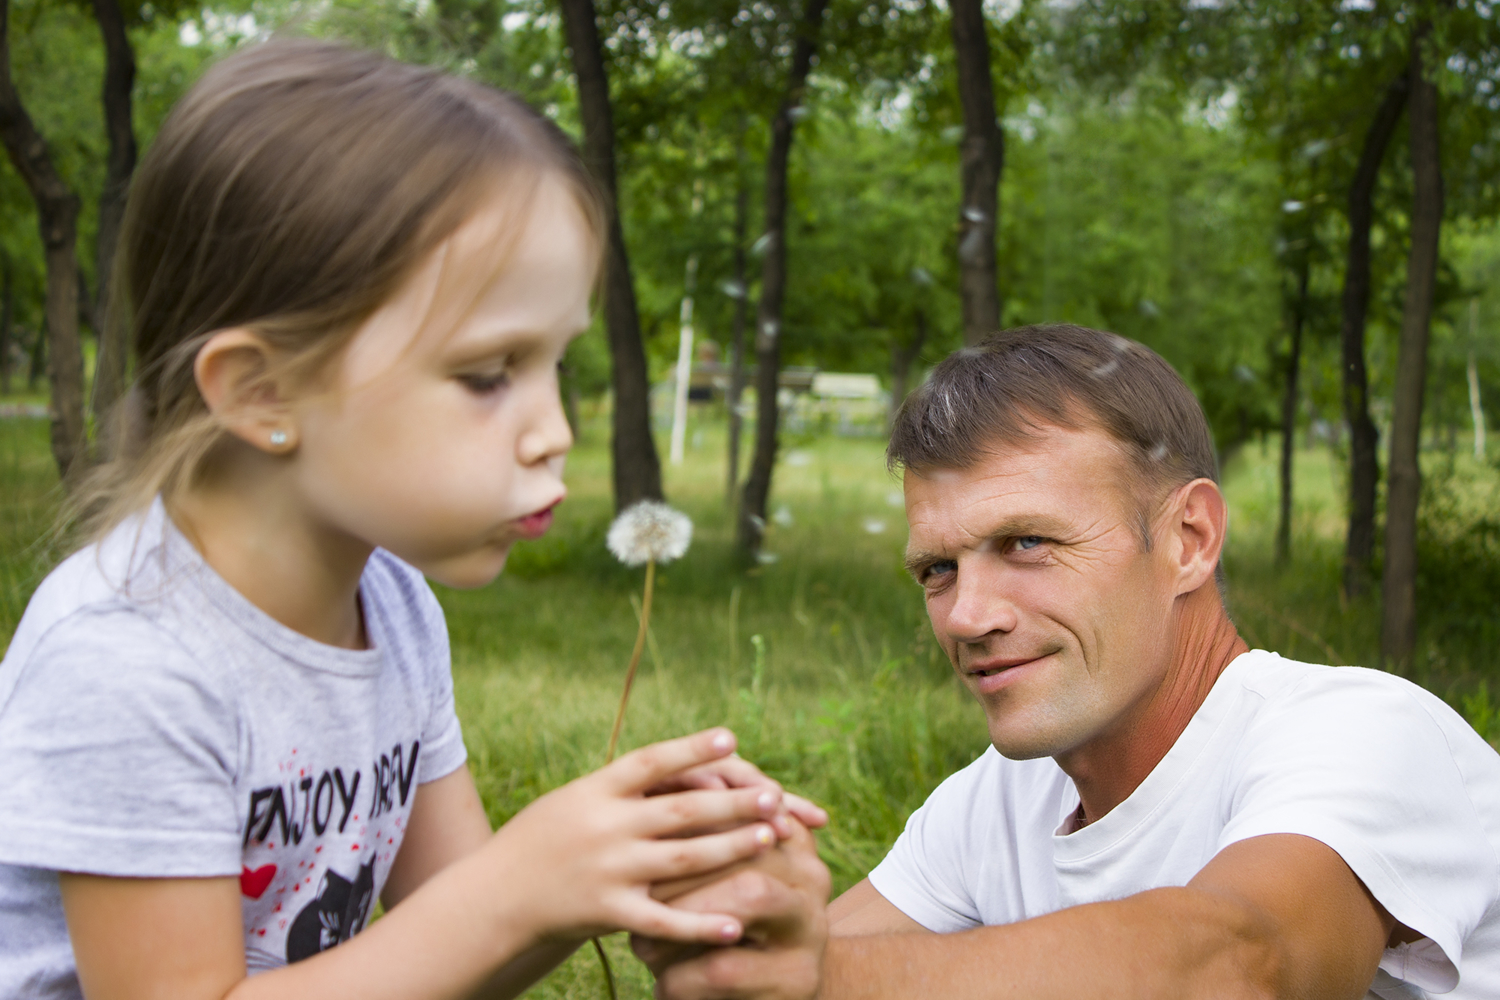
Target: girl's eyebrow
[(490, 344)]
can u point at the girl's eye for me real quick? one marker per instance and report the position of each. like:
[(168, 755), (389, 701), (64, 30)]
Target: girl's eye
[(1028, 542), (482, 383)]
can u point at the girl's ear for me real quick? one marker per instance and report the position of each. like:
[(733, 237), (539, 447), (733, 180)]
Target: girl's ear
[(233, 374)]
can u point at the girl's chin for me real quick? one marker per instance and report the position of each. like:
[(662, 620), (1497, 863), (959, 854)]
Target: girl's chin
[(471, 571)]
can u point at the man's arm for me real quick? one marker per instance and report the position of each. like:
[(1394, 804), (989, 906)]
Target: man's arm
[(1275, 916), (863, 910)]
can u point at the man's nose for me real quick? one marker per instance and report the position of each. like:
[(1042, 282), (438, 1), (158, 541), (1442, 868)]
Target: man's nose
[(982, 603)]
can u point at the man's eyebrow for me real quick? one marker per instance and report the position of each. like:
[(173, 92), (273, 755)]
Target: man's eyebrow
[(915, 561), (1043, 525)]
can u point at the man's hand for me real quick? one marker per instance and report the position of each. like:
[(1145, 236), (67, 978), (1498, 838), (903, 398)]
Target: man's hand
[(781, 898), (736, 772)]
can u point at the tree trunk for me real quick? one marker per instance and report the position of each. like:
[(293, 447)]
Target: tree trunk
[(38, 360), (752, 516), (902, 357), (637, 467), (7, 313), (85, 303), (567, 387), (119, 81), (57, 216), (737, 341), (982, 159), (1289, 415), (1398, 634), (1364, 465)]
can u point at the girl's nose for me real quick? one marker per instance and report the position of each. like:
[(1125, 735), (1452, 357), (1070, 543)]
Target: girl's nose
[(547, 434)]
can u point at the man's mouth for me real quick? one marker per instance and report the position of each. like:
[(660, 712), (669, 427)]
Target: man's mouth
[(995, 667)]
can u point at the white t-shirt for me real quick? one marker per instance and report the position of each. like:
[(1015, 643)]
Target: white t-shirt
[(1371, 765), (155, 723)]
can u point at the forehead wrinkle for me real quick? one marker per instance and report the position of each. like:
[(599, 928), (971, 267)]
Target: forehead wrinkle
[(1025, 475)]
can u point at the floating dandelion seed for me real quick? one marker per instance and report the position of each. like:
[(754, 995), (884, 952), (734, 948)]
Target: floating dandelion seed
[(649, 532)]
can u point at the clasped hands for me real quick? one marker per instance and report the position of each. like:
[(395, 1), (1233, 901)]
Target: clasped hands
[(779, 897)]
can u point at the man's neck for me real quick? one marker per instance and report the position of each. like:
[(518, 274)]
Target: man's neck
[(1110, 767)]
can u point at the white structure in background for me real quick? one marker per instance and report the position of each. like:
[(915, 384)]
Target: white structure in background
[(846, 385), (684, 365), (1475, 410)]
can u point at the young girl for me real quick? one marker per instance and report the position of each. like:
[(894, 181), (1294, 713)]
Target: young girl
[(227, 726)]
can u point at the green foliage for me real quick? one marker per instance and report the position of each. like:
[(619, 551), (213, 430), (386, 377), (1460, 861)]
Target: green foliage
[(58, 64), (1132, 217)]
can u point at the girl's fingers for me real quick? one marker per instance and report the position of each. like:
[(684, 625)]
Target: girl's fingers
[(642, 769), (663, 860), (651, 919), (685, 813), (730, 772)]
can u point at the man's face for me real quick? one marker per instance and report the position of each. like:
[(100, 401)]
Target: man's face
[(1040, 591)]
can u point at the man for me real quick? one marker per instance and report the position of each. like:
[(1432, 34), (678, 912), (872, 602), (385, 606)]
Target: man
[(1164, 812)]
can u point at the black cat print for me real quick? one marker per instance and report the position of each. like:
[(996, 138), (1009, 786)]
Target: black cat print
[(317, 847)]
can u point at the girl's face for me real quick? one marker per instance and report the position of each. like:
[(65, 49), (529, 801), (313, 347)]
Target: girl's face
[(442, 438)]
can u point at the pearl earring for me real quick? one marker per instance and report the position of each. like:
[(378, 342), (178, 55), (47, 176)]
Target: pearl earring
[(278, 438)]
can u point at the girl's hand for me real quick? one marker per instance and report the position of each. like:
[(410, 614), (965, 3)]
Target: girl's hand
[(580, 860), (736, 772)]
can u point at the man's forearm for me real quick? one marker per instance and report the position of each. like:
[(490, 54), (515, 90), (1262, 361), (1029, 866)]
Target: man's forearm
[(1167, 944)]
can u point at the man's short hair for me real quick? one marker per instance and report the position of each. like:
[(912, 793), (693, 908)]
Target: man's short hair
[(1010, 384)]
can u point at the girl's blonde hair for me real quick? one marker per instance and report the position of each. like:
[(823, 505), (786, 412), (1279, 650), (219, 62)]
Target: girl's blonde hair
[(291, 192)]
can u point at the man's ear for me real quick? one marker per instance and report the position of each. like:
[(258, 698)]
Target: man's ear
[(233, 374), (1200, 522)]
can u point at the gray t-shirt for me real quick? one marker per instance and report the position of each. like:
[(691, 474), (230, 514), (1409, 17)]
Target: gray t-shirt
[(155, 723)]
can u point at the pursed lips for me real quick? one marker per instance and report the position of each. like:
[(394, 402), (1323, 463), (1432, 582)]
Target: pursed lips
[(535, 524)]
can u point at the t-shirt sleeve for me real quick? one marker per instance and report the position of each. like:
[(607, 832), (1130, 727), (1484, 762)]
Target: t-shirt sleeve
[(1375, 769), (118, 757), (924, 875)]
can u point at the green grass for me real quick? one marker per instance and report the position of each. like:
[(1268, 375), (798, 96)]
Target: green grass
[(822, 661)]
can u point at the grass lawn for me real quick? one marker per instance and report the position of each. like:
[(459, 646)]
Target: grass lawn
[(821, 660)]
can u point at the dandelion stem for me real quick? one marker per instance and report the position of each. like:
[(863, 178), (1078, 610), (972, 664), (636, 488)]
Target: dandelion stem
[(635, 659), (609, 973)]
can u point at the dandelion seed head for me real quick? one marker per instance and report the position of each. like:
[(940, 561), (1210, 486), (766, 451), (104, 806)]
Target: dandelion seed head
[(649, 530)]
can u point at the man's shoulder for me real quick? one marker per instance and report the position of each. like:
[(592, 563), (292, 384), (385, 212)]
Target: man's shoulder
[(1279, 685), (1302, 717)]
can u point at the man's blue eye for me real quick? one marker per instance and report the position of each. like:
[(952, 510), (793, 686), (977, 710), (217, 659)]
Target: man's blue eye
[(1028, 541), (937, 569)]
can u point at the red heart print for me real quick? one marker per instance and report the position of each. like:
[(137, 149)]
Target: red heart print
[(254, 883)]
